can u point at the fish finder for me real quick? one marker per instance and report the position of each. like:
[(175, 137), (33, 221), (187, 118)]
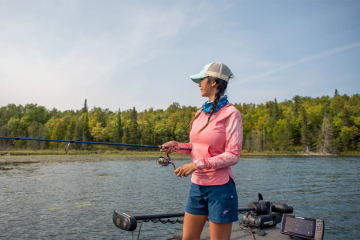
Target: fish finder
[(303, 227)]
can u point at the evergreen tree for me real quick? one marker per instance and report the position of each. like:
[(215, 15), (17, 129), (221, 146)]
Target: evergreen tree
[(289, 141), (336, 92), (118, 131), (86, 135), (346, 117), (133, 134), (85, 108), (303, 121), (276, 110), (305, 133), (325, 110), (296, 106)]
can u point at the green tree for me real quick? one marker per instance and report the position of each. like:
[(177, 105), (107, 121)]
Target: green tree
[(84, 119), (70, 132), (346, 117), (97, 132), (85, 108), (118, 131), (16, 127), (277, 111), (34, 113), (305, 132), (42, 144), (296, 106), (325, 142), (283, 135), (348, 137), (132, 128), (300, 123), (32, 134)]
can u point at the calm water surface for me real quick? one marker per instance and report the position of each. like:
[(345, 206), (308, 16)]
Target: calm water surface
[(76, 200)]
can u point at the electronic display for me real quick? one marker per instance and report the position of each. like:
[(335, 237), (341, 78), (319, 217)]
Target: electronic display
[(304, 227)]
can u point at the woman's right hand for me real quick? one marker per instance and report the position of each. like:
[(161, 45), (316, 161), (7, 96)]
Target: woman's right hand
[(169, 147)]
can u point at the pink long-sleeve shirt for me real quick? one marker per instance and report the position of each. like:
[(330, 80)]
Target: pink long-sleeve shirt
[(216, 148)]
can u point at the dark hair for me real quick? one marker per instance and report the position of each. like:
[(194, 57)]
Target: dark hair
[(220, 90)]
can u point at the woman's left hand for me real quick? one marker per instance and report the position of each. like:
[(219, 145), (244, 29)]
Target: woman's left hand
[(185, 170)]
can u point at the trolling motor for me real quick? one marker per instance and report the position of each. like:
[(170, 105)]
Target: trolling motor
[(265, 214)]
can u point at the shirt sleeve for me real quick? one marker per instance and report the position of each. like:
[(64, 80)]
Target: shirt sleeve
[(233, 145)]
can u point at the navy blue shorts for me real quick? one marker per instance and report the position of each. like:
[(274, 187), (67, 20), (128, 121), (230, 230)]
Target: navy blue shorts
[(219, 202)]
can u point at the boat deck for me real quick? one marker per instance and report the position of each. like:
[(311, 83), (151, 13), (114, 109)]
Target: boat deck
[(240, 233)]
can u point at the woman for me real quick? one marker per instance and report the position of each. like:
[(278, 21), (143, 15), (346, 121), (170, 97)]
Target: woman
[(216, 140)]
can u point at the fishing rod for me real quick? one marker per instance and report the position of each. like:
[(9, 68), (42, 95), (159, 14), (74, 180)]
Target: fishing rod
[(161, 160)]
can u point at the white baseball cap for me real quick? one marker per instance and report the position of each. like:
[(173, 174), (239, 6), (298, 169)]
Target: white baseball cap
[(214, 69)]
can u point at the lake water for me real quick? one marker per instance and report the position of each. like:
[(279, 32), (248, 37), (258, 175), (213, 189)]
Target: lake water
[(75, 200)]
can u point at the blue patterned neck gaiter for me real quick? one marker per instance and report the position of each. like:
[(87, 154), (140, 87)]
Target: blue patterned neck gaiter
[(208, 105)]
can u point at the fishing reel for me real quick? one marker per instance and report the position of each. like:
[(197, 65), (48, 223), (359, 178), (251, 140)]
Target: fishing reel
[(163, 162)]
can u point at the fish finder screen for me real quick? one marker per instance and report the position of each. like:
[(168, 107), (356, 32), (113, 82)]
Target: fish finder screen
[(300, 226)]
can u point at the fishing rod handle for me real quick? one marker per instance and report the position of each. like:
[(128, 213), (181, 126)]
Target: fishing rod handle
[(162, 147)]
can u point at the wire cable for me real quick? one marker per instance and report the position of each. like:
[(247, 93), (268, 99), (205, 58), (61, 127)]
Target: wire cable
[(140, 230), (252, 235)]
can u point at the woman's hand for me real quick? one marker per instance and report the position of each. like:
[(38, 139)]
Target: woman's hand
[(170, 147), (185, 170)]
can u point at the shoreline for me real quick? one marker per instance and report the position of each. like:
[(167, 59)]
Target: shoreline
[(156, 153), (48, 156), (57, 157)]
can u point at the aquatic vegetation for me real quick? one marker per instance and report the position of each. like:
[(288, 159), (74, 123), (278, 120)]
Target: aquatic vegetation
[(56, 208), (78, 204), (106, 175)]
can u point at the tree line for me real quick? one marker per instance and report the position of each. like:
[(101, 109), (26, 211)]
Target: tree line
[(323, 124)]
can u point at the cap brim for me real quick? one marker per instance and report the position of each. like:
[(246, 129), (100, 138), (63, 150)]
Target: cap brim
[(197, 77)]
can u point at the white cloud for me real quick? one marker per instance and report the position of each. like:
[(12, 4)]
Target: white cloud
[(303, 60), (32, 72)]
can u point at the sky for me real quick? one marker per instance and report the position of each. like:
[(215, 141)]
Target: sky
[(125, 54)]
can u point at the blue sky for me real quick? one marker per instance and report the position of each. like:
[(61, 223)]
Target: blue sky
[(121, 54)]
